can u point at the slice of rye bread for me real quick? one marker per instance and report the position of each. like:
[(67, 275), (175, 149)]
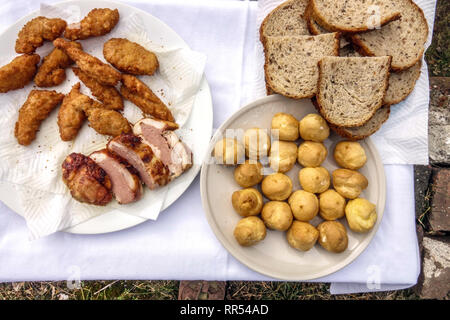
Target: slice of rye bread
[(401, 83), (364, 131), (351, 89), (353, 15), (291, 62), (285, 20), (403, 39)]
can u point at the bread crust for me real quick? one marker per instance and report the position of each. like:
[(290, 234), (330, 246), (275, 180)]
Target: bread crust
[(401, 98), (269, 85), (365, 51), (359, 124), (321, 21)]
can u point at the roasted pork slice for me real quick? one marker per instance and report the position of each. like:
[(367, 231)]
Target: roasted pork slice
[(86, 181), (126, 185), (166, 145), (151, 169)]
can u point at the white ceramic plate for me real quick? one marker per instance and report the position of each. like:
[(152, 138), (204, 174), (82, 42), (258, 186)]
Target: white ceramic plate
[(273, 256), (200, 121)]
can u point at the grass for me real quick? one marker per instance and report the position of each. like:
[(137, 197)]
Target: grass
[(438, 58)]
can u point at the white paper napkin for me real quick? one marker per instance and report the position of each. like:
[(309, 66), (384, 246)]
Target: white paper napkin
[(403, 139), (35, 170)]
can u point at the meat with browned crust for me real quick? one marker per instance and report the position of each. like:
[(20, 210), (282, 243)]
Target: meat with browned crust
[(18, 72), (98, 22), (106, 121), (86, 181)]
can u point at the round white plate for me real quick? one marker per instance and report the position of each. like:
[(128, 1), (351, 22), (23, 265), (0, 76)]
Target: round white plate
[(199, 123), (273, 256)]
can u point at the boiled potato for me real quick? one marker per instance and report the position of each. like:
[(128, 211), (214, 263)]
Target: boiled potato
[(311, 154), (314, 180), (247, 202), (228, 151), (331, 205), (248, 174), (302, 236), (287, 126), (257, 143), (283, 156), (333, 236), (350, 155), (314, 128), (361, 215), (349, 183), (277, 215), (277, 186), (249, 231), (304, 205)]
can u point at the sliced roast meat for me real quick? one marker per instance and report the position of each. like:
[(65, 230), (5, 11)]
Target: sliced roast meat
[(181, 155), (126, 185), (151, 169)]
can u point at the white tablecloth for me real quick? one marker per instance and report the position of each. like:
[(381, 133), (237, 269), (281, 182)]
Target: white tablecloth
[(180, 244)]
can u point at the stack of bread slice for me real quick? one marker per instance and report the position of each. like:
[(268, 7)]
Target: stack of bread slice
[(354, 58)]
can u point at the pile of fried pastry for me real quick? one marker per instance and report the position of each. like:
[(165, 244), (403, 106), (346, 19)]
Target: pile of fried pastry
[(148, 151), (269, 201)]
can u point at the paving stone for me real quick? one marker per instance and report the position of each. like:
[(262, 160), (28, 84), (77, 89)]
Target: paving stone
[(439, 217), (422, 176), (439, 121), (434, 281)]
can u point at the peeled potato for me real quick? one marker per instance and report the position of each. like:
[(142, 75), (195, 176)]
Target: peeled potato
[(314, 180), (332, 205), (228, 151), (361, 215), (283, 156), (277, 215), (350, 155), (304, 205), (333, 236), (248, 174), (302, 236), (287, 126), (311, 154), (249, 231), (247, 202), (349, 183), (257, 143), (277, 186), (314, 128)]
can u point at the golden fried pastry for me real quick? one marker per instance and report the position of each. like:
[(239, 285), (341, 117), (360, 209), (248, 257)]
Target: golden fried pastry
[(249, 231), (287, 126), (86, 181), (52, 70), (33, 34), (331, 205), (314, 128), (71, 114), (107, 122), (361, 215), (130, 57), (257, 143), (247, 202), (142, 96), (304, 205), (248, 174), (283, 156), (228, 151), (314, 180), (277, 186), (277, 215), (18, 72), (302, 236), (311, 154), (333, 236), (92, 66), (98, 22), (350, 155), (349, 183), (36, 109), (108, 95)]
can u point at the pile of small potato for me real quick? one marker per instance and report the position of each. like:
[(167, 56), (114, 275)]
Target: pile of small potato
[(289, 210)]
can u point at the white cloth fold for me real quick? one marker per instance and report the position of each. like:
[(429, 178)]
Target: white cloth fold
[(180, 244)]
